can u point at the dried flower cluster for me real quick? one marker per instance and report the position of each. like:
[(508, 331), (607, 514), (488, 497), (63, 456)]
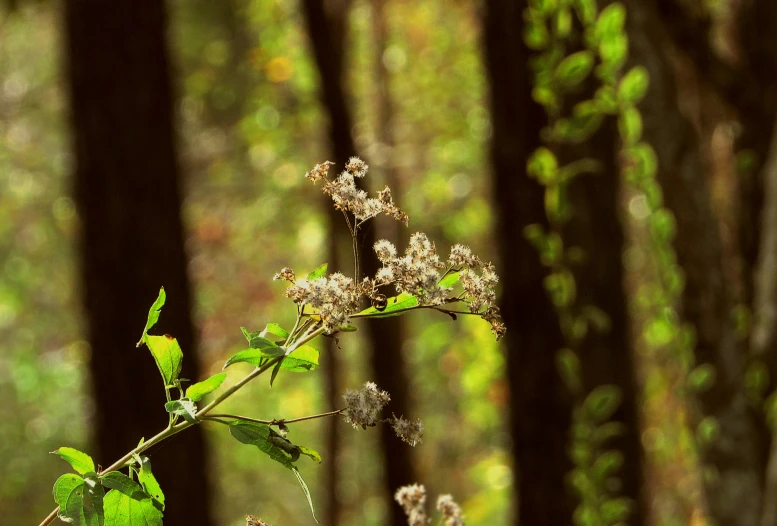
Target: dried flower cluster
[(349, 198), (413, 500), (450, 510), (408, 431), (252, 520), (334, 297), (363, 407)]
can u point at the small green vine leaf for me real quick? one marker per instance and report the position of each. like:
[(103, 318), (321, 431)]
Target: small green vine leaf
[(80, 461)]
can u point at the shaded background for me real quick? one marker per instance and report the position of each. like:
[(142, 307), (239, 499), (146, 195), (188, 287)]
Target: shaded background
[(146, 144)]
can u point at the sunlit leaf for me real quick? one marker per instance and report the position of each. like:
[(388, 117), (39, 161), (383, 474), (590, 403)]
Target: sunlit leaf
[(319, 272), (153, 314), (393, 308), (301, 360), (80, 500), (574, 68), (150, 484), (81, 462), (197, 391), (634, 85), (274, 328), (310, 453), (130, 508), (449, 280), (167, 355)]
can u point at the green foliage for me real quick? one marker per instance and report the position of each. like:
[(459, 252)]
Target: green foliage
[(127, 504), (150, 485), (81, 462), (153, 314), (275, 446), (80, 500), (395, 305), (572, 70), (197, 391), (318, 272), (183, 407), (167, 355)]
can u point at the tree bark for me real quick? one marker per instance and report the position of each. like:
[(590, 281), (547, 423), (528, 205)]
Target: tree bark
[(327, 32), (734, 495), (540, 406), (132, 239), (607, 356)]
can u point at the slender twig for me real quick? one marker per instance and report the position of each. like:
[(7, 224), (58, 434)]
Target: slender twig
[(276, 421)]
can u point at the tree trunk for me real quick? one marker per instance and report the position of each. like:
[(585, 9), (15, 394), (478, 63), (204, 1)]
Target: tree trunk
[(132, 240), (607, 356), (734, 495), (540, 406), (327, 32)]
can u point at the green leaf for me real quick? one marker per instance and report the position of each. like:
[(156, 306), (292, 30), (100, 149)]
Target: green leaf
[(301, 360), (150, 484), (153, 314), (449, 280), (200, 389), (80, 500), (252, 356), (124, 484), (395, 304), (607, 464), (259, 435), (574, 69), (274, 328), (707, 431), (702, 377), (122, 509), (613, 50), (268, 347), (307, 492), (275, 370), (602, 402), (568, 365), (616, 511), (347, 328), (81, 462), (310, 453), (634, 85), (542, 165), (611, 20), (319, 272), (168, 356), (183, 407), (630, 125)]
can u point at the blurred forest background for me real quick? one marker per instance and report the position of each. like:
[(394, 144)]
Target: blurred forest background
[(145, 144)]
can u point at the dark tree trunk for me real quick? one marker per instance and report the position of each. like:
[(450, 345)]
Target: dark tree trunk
[(132, 241), (607, 356), (327, 30), (540, 406), (734, 495)]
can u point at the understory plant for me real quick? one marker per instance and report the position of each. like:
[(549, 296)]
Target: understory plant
[(126, 493)]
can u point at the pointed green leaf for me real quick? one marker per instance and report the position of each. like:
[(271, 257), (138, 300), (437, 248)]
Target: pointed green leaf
[(150, 484), (574, 69), (449, 280), (396, 304), (168, 356), (319, 272), (634, 85), (80, 500), (301, 360), (307, 492), (200, 389), (124, 484), (259, 435), (276, 369), (602, 402), (80, 461), (183, 407), (124, 510), (310, 453), (274, 328), (347, 328), (268, 347), (252, 356), (153, 314)]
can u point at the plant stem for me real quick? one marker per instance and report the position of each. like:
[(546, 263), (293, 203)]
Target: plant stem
[(275, 421), (171, 430)]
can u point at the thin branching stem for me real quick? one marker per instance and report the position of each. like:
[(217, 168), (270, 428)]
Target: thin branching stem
[(276, 421)]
